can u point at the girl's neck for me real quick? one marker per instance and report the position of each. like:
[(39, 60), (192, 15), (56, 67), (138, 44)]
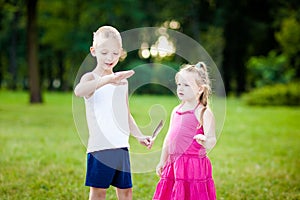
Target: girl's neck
[(189, 104)]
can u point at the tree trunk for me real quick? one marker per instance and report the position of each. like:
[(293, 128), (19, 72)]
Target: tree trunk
[(34, 78), (61, 70), (235, 48), (13, 52)]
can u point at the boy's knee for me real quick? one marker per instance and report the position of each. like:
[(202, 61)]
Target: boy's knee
[(125, 194), (97, 193)]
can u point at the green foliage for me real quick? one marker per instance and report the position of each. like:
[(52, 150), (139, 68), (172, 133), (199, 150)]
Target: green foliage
[(289, 39), (289, 36), (269, 70), (278, 94), (214, 42), (65, 34)]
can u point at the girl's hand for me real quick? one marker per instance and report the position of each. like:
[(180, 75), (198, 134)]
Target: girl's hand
[(118, 77), (200, 138), (146, 141), (159, 168)]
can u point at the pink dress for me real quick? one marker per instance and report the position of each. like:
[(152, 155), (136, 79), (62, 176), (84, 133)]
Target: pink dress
[(188, 172)]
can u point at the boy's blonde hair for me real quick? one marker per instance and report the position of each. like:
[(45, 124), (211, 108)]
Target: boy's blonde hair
[(201, 78), (105, 32)]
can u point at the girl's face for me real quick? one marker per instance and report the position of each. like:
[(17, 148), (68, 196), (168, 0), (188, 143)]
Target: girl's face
[(187, 89), (107, 53)]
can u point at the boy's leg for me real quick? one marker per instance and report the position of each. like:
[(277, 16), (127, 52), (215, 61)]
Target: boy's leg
[(124, 194), (122, 179), (97, 193)]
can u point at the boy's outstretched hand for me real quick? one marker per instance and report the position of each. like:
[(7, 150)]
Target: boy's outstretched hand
[(118, 77)]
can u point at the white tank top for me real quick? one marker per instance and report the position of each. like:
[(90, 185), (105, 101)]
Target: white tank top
[(107, 117)]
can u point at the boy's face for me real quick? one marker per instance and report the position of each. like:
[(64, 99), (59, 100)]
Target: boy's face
[(107, 53)]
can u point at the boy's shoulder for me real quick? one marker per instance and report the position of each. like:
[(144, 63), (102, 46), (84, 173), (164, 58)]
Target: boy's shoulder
[(88, 76)]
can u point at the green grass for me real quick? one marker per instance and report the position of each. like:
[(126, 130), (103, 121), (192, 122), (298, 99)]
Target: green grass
[(43, 157)]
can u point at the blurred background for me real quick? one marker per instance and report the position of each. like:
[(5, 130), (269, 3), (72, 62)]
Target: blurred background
[(255, 44)]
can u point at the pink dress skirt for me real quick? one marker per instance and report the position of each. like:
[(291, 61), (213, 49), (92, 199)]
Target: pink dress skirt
[(188, 177)]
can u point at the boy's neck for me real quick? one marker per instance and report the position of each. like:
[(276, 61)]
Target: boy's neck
[(102, 72)]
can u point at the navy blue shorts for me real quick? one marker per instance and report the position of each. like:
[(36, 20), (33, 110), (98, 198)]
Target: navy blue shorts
[(108, 167)]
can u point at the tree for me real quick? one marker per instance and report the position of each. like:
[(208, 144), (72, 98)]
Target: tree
[(11, 37), (289, 40), (32, 45)]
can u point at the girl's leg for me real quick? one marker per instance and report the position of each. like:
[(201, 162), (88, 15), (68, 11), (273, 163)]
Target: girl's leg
[(124, 194), (97, 193)]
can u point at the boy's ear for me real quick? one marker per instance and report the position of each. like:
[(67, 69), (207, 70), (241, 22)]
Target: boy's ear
[(123, 54), (92, 50)]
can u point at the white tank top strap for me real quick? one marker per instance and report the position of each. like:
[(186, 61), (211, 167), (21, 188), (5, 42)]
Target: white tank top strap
[(95, 75)]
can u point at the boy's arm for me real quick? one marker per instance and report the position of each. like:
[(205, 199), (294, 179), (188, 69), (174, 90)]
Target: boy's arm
[(88, 83), (136, 132)]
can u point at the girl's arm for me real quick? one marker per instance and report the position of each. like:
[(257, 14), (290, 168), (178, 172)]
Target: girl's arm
[(163, 157), (209, 130), (165, 152)]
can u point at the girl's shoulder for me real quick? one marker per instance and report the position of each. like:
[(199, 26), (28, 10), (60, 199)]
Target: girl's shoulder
[(202, 111), (208, 113), (208, 110), (176, 108)]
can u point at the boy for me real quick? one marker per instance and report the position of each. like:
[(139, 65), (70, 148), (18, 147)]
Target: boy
[(109, 120)]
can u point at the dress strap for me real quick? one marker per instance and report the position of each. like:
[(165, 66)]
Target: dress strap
[(196, 106), (179, 107)]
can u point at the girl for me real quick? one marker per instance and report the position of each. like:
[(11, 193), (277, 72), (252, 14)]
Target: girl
[(185, 170)]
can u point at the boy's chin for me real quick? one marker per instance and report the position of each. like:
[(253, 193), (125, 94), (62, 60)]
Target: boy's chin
[(108, 66)]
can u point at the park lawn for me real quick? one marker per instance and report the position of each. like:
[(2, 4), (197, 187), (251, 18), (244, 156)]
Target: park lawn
[(43, 156)]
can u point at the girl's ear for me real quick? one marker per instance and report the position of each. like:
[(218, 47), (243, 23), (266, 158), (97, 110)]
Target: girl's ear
[(92, 50), (200, 90)]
